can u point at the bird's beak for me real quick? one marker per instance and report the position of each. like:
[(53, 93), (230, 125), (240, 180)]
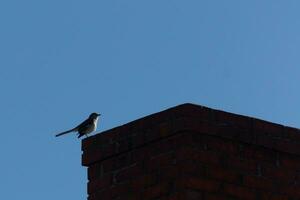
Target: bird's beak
[(98, 114)]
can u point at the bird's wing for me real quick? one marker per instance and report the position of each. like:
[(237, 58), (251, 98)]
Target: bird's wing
[(84, 124), (69, 131)]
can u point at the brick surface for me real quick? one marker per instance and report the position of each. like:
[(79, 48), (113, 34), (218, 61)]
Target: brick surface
[(202, 184), (212, 196), (156, 191), (128, 173), (194, 195), (226, 175), (194, 152), (259, 182), (240, 192), (270, 196), (100, 183), (279, 174)]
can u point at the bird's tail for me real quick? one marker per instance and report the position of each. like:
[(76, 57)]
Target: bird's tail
[(69, 131)]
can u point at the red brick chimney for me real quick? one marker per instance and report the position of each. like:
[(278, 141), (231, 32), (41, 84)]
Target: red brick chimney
[(197, 153)]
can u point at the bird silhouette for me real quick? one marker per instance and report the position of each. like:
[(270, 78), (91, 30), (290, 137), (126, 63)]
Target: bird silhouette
[(86, 127)]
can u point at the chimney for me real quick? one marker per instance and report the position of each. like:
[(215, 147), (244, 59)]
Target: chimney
[(192, 152)]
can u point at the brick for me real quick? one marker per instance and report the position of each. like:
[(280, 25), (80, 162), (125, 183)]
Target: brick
[(265, 141), (259, 153), (194, 139), (259, 182), (280, 174), (123, 190), (239, 192), (186, 109), (272, 196), (103, 195), (87, 142), (192, 110), (151, 135), (194, 195), (201, 184), (165, 129), (156, 191), (87, 159), (290, 162), (272, 129), (154, 119), (160, 161), (163, 146), (207, 157), (168, 173), (175, 196), (96, 155), (203, 113), (227, 175), (292, 191), (235, 133), (193, 152), (117, 162), (99, 184), (185, 124), (138, 139), (125, 144), (246, 136), (179, 124), (128, 173), (193, 168), (115, 192), (127, 130), (143, 181), (94, 171), (141, 154), (236, 120), (106, 137), (195, 125), (131, 196), (292, 133), (242, 165), (288, 146), (218, 144), (212, 196)]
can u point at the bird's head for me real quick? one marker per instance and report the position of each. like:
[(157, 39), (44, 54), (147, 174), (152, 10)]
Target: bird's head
[(94, 115)]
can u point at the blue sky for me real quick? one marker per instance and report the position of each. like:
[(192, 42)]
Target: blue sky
[(62, 60)]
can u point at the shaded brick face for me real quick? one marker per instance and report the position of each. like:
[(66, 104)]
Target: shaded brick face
[(193, 152)]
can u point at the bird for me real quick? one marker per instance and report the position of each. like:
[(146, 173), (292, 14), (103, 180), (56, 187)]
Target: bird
[(86, 127)]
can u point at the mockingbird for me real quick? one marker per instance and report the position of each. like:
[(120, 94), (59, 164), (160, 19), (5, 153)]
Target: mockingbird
[(86, 127)]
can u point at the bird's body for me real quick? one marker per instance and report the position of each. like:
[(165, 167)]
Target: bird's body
[(86, 127)]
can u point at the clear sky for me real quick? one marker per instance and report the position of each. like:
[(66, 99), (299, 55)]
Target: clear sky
[(60, 60)]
